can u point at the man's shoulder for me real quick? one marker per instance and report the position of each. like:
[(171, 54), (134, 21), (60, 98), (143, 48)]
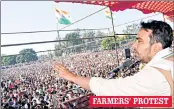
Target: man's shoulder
[(149, 70), (165, 63), (151, 74), (170, 58)]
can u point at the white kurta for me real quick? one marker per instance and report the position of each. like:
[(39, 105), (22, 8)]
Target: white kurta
[(147, 82)]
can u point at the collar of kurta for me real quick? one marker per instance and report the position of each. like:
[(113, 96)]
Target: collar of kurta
[(161, 55)]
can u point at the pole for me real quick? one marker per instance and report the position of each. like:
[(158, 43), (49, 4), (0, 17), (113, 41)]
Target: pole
[(114, 36), (164, 18), (109, 31), (58, 35), (57, 20)]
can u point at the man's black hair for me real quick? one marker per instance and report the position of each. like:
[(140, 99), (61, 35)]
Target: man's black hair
[(161, 32)]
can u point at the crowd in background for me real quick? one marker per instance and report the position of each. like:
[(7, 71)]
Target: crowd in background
[(34, 85)]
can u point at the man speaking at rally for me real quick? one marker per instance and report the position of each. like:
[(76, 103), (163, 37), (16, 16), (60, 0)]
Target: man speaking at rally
[(152, 47)]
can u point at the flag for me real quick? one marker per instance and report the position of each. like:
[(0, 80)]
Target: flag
[(63, 17), (108, 14)]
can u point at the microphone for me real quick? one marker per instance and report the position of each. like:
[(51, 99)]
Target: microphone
[(133, 65), (127, 63), (124, 65)]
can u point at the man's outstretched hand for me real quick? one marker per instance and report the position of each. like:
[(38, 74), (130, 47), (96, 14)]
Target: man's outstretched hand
[(63, 72)]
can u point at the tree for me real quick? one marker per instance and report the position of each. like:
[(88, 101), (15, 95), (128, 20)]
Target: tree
[(8, 60), (50, 54), (108, 43), (26, 55), (43, 57), (93, 42), (3, 54), (131, 29), (58, 50), (90, 35), (99, 34), (72, 39), (121, 38)]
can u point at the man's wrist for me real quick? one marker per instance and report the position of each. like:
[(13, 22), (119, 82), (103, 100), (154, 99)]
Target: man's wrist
[(71, 77), (74, 77)]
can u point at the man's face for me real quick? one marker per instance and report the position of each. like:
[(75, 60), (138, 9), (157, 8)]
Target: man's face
[(142, 46)]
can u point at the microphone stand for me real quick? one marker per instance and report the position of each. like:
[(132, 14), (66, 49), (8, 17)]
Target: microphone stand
[(132, 66), (128, 68)]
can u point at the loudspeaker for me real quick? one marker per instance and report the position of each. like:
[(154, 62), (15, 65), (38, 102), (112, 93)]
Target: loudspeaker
[(127, 53)]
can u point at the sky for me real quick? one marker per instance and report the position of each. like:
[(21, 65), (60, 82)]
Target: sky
[(20, 16)]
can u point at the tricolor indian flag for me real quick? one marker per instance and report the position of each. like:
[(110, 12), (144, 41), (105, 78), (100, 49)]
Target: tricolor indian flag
[(108, 14), (63, 17)]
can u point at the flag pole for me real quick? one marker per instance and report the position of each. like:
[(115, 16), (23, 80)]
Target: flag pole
[(58, 35), (114, 35), (164, 17)]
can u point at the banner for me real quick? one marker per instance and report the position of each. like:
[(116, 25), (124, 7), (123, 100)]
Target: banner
[(130, 101)]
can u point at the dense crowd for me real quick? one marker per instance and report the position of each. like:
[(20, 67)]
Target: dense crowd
[(35, 86)]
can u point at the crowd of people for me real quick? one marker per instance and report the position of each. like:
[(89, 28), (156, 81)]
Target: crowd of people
[(35, 85)]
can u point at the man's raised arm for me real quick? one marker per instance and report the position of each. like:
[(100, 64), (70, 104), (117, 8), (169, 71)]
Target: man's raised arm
[(142, 83)]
